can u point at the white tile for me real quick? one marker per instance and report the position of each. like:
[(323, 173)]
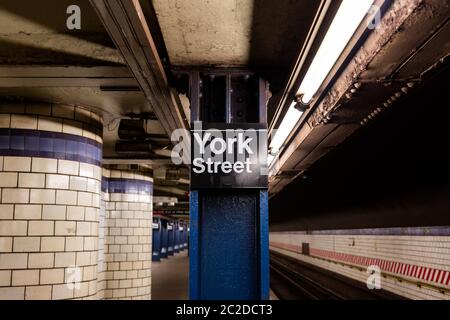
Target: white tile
[(8, 179), (38, 293), (5, 121), (18, 164), (27, 212), (15, 195), (57, 181), (54, 212), (66, 197), (52, 244), (26, 244), (13, 260), (31, 180), (49, 124), (6, 211), (40, 260), (63, 111), (73, 127), (12, 293), (40, 228), (43, 196), (68, 167), (44, 165), (22, 121)]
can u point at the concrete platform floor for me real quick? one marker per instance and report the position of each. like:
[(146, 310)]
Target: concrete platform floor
[(170, 278)]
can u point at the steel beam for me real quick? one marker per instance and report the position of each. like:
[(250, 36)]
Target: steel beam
[(378, 67), (38, 76), (125, 22)]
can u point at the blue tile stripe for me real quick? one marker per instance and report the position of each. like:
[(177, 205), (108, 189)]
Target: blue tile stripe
[(129, 186), (398, 231), (47, 144)]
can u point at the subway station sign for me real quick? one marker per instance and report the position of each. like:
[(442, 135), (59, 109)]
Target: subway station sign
[(228, 156)]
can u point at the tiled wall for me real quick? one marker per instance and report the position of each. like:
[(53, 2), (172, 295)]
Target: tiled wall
[(414, 262), (50, 182), (127, 235), (101, 282)]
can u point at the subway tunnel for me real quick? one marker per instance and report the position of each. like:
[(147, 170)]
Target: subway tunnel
[(224, 150)]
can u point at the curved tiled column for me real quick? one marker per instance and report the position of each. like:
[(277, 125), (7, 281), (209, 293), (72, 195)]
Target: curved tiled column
[(127, 234), (50, 178)]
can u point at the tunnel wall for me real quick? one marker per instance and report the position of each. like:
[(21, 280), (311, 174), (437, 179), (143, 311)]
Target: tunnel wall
[(50, 177), (414, 262), (127, 242), (392, 172), (382, 194)]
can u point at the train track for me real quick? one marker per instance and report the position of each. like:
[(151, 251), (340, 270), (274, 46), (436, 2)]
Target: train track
[(295, 280)]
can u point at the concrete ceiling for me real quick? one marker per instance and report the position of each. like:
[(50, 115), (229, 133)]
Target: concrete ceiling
[(42, 60), (193, 35), (37, 34), (263, 34)]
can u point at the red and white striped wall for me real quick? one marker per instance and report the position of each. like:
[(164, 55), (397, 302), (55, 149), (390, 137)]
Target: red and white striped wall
[(416, 266)]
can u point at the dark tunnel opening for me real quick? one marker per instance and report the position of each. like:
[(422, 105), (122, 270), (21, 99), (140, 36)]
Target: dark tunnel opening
[(393, 172)]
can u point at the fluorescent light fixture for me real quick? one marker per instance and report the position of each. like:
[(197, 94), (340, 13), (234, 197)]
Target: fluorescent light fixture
[(346, 21), (287, 125), (270, 158)]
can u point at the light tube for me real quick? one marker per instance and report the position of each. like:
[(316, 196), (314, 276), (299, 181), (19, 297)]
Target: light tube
[(347, 19), (287, 125)]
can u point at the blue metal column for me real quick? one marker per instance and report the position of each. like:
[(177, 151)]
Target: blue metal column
[(180, 240), (171, 240), (176, 232), (164, 238), (184, 233), (156, 240), (228, 237)]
